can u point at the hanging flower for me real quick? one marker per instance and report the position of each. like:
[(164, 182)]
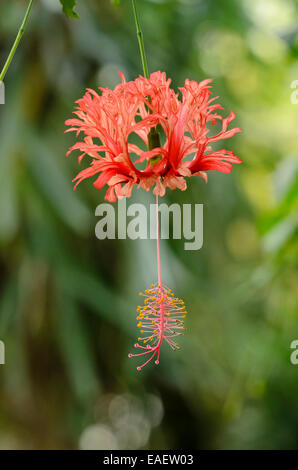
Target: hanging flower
[(143, 133), (149, 110)]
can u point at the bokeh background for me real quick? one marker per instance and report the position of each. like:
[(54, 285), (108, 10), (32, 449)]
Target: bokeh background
[(67, 303)]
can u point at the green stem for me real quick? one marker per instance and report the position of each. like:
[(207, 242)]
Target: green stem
[(153, 136), (16, 43), (140, 39)]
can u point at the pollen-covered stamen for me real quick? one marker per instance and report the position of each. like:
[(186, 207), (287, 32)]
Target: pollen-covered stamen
[(160, 318)]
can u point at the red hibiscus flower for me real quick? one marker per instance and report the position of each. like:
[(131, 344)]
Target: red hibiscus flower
[(150, 111)]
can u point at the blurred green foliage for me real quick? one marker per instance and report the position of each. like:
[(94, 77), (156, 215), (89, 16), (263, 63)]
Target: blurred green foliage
[(67, 313), (68, 8)]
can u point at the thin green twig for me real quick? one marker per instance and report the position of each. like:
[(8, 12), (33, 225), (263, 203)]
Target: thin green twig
[(16, 43), (140, 39), (153, 136)]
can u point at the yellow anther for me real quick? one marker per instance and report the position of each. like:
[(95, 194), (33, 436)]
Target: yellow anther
[(139, 324), (141, 331), (140, 293)]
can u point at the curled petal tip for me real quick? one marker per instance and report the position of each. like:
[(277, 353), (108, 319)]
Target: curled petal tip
[(122, 76)]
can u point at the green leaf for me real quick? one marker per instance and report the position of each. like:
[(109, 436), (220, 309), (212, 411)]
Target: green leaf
[(116, 3), (68, 8)]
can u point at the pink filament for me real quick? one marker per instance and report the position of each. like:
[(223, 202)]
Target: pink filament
[(157, 244), (162, 316)]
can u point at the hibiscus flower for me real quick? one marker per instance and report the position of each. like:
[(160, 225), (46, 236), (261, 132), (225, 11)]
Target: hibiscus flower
[(149, 111)]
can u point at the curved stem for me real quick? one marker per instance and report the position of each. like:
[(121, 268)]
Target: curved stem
[(16, 43), (140, 39)]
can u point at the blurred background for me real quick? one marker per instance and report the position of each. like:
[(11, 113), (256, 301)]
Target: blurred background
[(67, 303)]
